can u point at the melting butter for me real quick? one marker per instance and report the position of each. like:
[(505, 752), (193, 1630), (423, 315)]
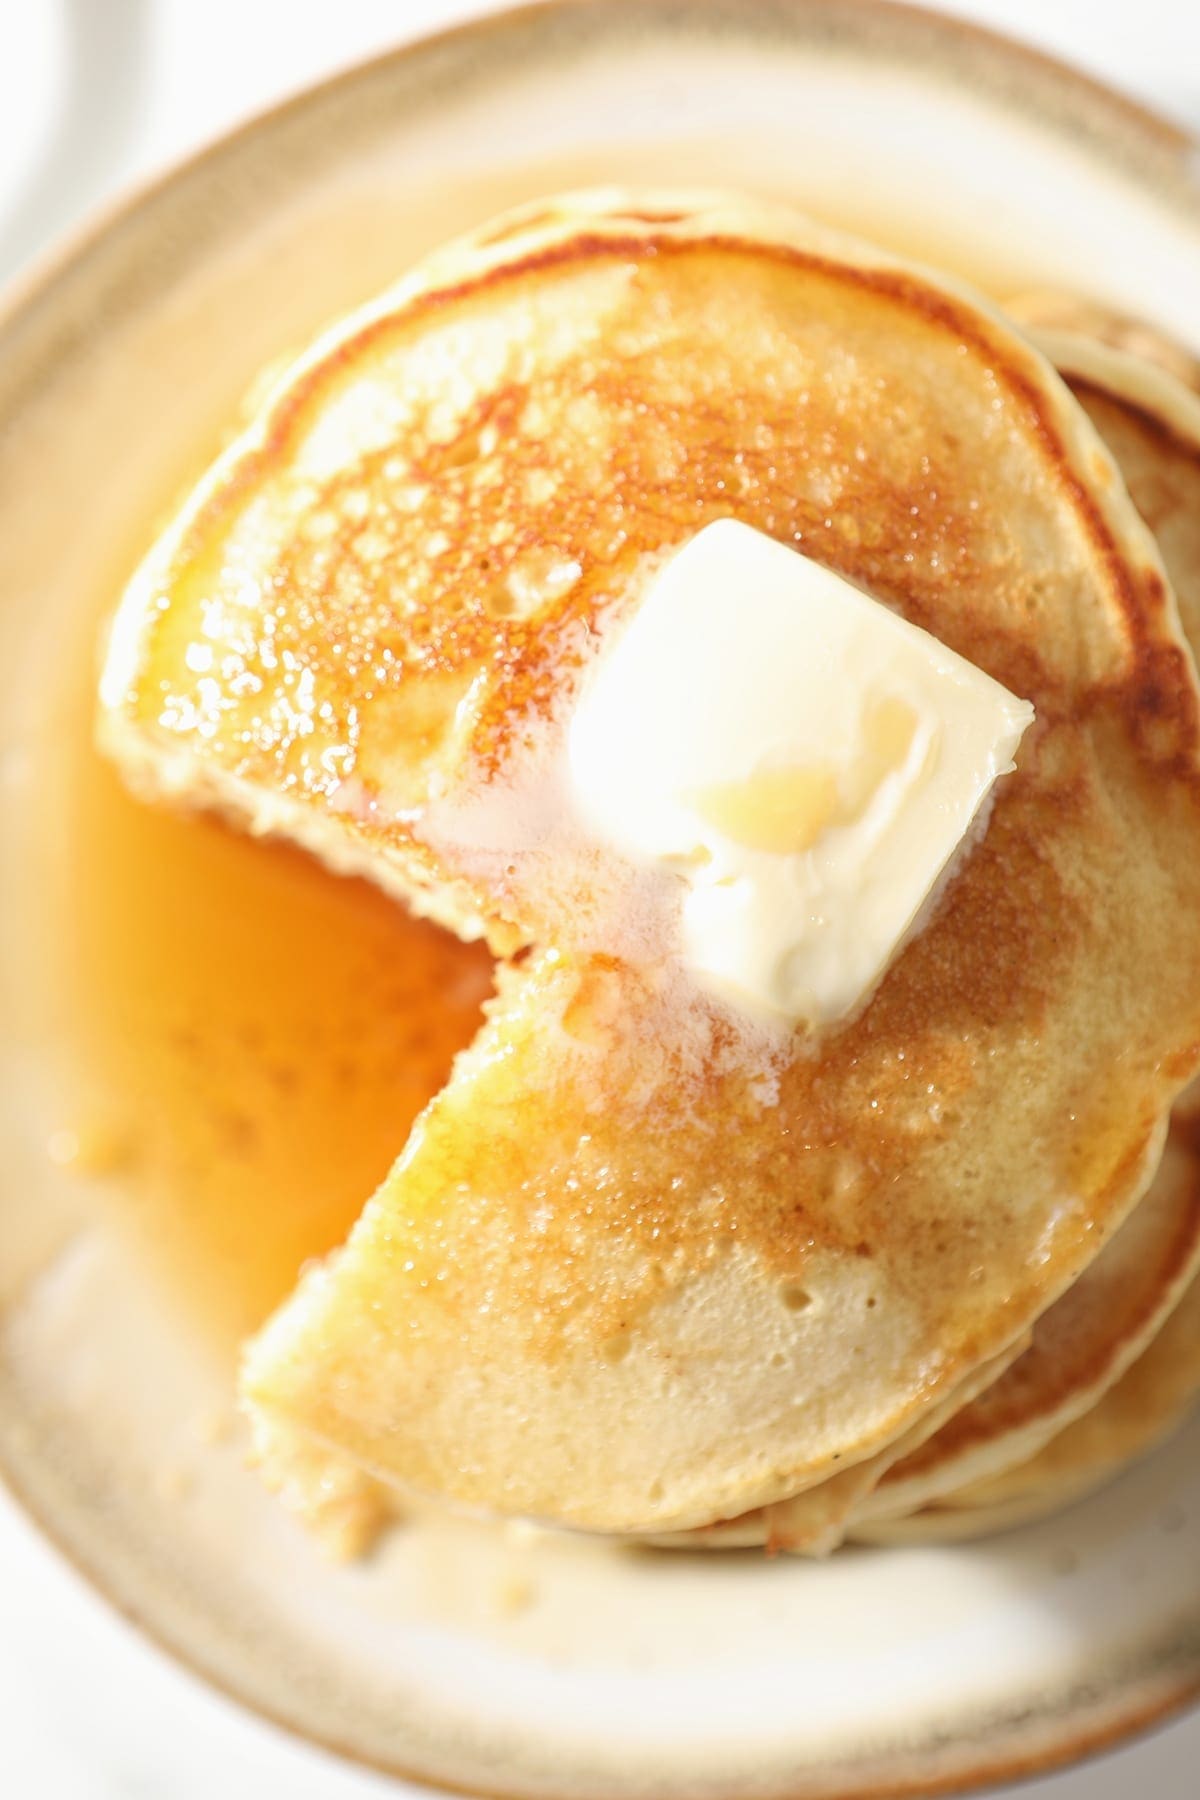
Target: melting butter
[(804, 762), (786, 810)]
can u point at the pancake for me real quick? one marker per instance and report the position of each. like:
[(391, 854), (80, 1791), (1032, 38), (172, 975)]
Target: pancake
[(643, 1267), (1150, 1402)]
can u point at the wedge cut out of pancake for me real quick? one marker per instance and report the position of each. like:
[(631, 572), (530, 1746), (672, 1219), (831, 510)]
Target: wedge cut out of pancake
[(1152, 1399), (1081, 1346), (642, 1267)]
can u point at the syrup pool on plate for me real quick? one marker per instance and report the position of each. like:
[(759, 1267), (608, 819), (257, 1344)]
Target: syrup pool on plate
[(245, 1038)]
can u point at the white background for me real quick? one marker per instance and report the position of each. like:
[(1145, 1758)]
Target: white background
[(95, 94)]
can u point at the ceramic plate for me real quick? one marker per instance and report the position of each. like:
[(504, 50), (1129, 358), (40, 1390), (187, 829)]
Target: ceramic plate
[(463, 1655)]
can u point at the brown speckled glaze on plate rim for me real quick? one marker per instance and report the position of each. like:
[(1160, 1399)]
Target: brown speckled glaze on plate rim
[(105, 269)]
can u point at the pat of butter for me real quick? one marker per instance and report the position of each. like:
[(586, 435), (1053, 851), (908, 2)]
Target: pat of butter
[(804, 760)]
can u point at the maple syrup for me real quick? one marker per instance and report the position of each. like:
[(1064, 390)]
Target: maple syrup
[(249, 1037)]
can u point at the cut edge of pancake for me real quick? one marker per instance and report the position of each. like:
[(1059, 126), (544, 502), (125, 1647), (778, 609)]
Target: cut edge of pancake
[(342, 1508), (172, 774)]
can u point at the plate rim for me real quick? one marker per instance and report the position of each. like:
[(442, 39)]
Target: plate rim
[(1089, 1736), (27, 284), (1078, 1729)]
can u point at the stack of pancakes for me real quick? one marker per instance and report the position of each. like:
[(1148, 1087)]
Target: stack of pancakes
[(642, 1268)]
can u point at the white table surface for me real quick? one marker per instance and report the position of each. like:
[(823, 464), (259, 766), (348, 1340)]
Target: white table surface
[(95, 94)]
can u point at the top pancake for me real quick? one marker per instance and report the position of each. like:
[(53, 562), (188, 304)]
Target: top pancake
[(640, 1269)]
